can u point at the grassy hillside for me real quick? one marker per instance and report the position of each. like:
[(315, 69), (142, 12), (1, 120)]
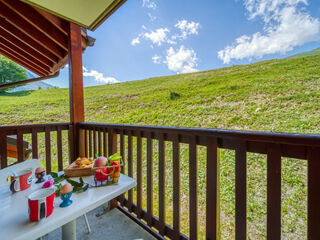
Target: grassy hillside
[(307, 54), (277, 95)]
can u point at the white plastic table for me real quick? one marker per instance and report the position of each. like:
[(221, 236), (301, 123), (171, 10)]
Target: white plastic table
[(14, 219)]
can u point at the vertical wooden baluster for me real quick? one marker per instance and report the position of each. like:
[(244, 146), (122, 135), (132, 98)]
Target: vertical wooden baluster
[(71, 147), (313, 193), (149, 179), (99, 143), (48, 150), (112, 141), (241, 191), (162, 190), (113, 145), (176, 187), (90, 143), (59, 146), (193, 190), (105, 143), (122, 153), (85, 143), (3, 150), (212, 197), (34, 143), (20, 146), (274, 192), (122, 150), (139, 175), (130, 172), (94, 142)]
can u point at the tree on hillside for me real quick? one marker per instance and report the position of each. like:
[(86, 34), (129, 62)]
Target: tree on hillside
[(10, 72)]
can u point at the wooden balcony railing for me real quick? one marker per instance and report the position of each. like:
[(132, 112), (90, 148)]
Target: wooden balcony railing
[(128, 140), (147, 152), (38, 135)]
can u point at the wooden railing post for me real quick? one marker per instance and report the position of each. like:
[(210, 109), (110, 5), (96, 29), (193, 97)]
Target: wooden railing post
[(112, 149), (76, 88), (3, 150), (313, 193), (112, 142), (213, 190), (241, 191), (274, 192)]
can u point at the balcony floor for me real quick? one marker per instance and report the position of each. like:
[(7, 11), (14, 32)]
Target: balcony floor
[(111, 225)]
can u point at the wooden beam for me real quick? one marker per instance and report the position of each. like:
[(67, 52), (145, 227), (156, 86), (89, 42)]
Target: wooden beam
[(30, 30), (23, 57), (9, 40), (21, 36), (33, 17), (20, 62), (75, 83), (58, 22), (60, 64), (25, 54)]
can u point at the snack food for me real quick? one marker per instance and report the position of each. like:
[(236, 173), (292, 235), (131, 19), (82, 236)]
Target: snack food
[(83, 163)]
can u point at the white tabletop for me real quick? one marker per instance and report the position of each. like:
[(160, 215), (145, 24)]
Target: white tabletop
[(14, 219)]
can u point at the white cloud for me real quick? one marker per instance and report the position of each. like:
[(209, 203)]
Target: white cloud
[(286, 25), (158, 36), (149, 4), (135, 41), (186, 28), (182, 30), (151, 17), (98, 76), (170, 41), (156, 59), (182, 60)]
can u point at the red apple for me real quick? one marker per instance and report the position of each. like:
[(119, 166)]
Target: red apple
[(116, 169), (100, 176), (100, 162)]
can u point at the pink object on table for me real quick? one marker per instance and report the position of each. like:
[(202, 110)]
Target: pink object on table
[(47, 184)]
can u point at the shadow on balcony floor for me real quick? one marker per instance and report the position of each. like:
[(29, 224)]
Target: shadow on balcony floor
[(112, 225)]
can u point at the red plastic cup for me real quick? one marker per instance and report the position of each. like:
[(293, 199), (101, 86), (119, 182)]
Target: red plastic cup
[(41, 204), (21, 181)]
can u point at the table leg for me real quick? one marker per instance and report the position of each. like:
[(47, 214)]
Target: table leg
[(69, 230)]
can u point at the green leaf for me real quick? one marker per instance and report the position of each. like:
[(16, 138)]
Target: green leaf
[(74, 183), (54, 174), (59, 186), (86, 186)]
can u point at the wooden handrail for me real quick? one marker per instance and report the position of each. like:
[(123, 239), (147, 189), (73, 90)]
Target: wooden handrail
[(272, 137), (275, 145), (34, 129), (129, 140)]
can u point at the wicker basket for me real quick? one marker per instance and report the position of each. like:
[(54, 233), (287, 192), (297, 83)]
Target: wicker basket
[(71, 171), (114, 176)]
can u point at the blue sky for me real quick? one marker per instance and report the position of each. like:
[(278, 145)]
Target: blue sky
[(147, 38)]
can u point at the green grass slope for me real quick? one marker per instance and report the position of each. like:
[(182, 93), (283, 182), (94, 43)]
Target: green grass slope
[(307, 54), (277, 95)]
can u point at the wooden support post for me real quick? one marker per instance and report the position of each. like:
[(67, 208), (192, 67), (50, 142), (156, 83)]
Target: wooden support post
[(76, 88)]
